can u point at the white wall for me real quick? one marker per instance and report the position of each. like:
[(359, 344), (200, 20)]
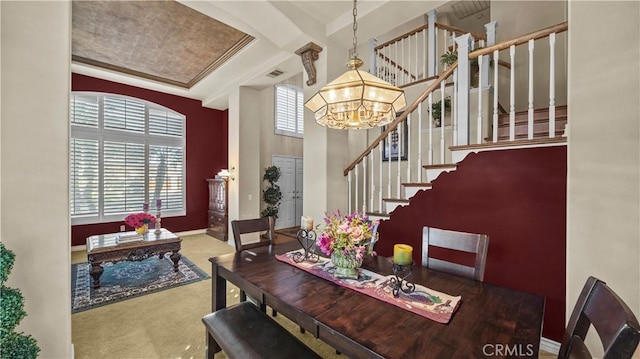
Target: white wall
[(34, 197), (603, 238)]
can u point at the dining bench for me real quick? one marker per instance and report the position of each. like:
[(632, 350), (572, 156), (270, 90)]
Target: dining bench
[(245, 332)]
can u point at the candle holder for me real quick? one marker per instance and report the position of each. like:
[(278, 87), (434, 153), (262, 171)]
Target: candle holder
[(307, 239), (398, 282), (158, 220)]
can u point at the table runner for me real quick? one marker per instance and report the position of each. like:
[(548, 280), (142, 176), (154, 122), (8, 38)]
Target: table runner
[(424, 301)]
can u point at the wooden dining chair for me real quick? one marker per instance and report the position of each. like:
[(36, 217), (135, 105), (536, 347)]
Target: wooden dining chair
[(457, 241), (253, 233), (615, 324)]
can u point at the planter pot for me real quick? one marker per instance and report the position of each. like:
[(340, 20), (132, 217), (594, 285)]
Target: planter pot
[(346, 265)]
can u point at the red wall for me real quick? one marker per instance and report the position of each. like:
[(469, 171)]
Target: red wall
[(518, 198), (206, 153)]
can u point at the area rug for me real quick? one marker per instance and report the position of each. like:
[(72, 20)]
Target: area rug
[(126, 280)]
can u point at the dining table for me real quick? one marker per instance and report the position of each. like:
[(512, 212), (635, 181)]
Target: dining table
[(489, 322)]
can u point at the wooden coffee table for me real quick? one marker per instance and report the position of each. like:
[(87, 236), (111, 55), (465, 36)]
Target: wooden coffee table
[(108, 248)]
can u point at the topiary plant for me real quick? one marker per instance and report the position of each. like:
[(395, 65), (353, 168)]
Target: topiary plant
[(12, 344), (272, 194)]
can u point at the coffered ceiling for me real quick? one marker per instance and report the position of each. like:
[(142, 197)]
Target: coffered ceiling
[(163, 41)]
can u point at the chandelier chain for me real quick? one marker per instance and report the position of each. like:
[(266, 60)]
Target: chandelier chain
[(355, 27)]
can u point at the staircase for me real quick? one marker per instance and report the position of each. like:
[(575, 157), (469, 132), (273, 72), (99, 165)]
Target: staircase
[(442, 148), (500, 174)]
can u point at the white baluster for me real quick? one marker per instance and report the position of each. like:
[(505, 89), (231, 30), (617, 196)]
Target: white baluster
[(446, 47), (400, 147), (409, 59), (495, 95), (552, 85), (380, 149), (420, 141), (479, 121), (442, 120), (349, 186), (403, 66), (417, 52), (512, 95), (364, 185), (357, 189), (430, 119), (389, 160), (530, 119), (372, 190), (424, 50), (454, 108), (397, 79)]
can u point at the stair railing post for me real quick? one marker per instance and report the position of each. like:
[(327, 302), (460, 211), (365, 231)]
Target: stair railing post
[(490, 29), (431, 53), (464, 44), (373, 59)]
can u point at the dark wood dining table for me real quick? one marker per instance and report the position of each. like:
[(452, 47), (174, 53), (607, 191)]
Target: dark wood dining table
[(490, 321)]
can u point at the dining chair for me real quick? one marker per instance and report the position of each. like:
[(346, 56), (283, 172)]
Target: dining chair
[(615, 324), (253, 233), (458, 241)]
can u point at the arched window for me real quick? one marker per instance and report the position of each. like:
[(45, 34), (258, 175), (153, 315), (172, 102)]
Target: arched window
[(124, 152)]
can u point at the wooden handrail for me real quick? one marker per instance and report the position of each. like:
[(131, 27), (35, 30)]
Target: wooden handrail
[(392, 126), (564, 26), (393, 64), (476, 35), (403, 36)]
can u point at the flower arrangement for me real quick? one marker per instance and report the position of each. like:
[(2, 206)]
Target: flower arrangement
[(137, 220), (351, 235)]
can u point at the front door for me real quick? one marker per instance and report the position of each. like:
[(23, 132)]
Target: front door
[(290, 183)]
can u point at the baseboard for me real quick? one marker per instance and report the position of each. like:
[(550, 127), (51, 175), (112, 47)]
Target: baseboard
[(549, 345), (189, 233), (79, 248)]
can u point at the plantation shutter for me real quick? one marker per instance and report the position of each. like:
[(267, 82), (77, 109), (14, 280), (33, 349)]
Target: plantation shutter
[(124, 177), (166, 182), (84, 177), (289, 109), (162, 122), (85, 110), (121, 113)]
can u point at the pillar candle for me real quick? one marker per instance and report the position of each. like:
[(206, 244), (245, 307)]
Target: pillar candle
[(306, 223), (158, 203), (145, 207), (402, 254)]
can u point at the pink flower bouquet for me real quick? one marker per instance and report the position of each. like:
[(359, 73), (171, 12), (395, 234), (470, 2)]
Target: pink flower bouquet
[(352, 234), (137, 220)]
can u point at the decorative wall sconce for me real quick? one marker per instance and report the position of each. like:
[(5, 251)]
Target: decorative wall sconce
[(228, 174)]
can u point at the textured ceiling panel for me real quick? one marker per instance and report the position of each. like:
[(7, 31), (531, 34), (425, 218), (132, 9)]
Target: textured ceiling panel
[(159, 40)]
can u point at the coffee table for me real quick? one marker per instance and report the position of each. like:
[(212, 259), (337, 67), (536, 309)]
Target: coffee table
[(109, 248)]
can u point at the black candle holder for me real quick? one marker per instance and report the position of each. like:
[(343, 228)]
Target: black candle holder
[(398, 282), (307, 239)]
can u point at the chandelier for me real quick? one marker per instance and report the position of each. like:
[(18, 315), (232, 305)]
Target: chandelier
[(356, 99)]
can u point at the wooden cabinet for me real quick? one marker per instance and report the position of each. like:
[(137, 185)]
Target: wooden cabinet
[(218, 208)]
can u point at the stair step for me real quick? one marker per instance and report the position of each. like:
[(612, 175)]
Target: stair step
[(433, 171), (538, 114), (459, 152), (378, 215), (410, 189), (390, 204)]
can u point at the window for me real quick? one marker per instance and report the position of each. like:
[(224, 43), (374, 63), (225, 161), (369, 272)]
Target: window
[(289, 110), (124, 152)]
